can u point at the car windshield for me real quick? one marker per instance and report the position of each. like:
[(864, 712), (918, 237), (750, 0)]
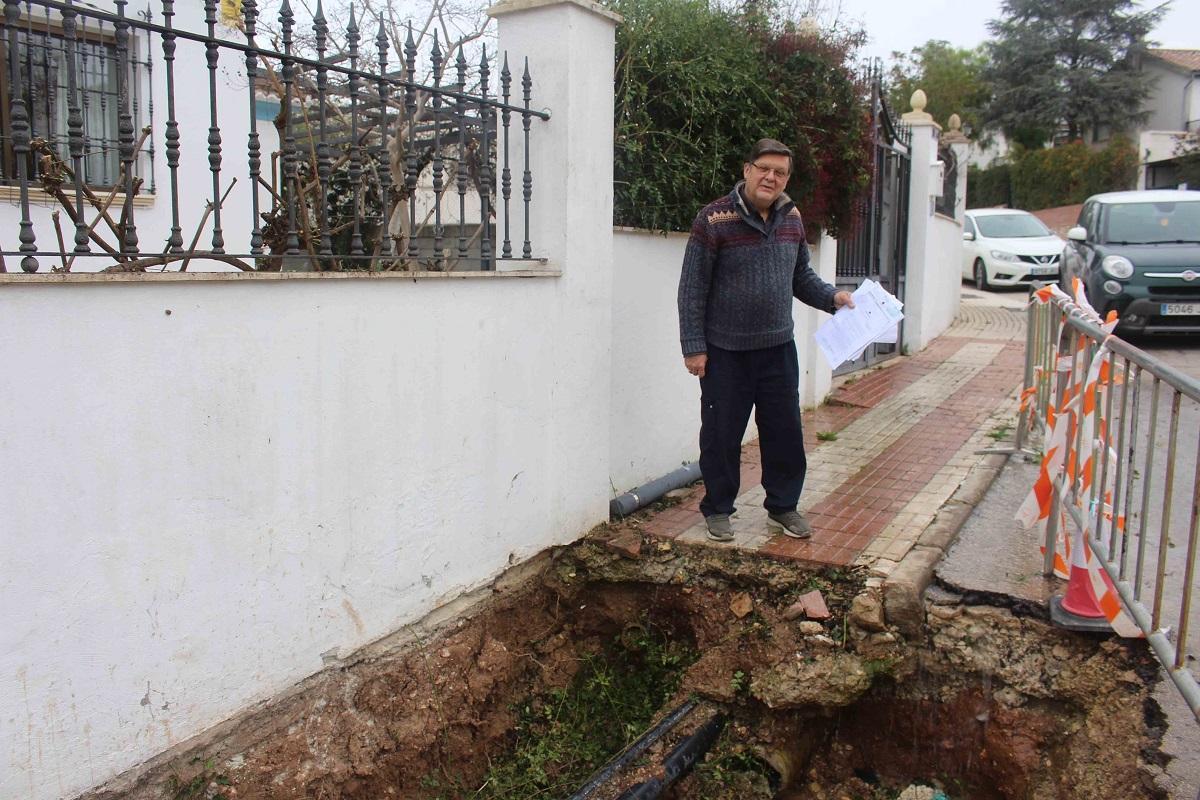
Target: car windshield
[(1011, 226), (1153, 223)]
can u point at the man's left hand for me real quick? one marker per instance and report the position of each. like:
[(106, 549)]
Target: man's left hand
[(843, 298)]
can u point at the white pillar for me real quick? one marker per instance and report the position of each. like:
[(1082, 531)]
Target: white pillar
[(569, 45), (919, 284), (960, 145), (816, 376)]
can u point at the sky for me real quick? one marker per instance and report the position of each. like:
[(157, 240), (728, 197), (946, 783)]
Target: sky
[(893, 25)]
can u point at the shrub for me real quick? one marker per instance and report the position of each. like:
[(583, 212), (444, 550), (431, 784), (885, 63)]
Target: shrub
[(697, 85), (1059, 176), (990, 187)]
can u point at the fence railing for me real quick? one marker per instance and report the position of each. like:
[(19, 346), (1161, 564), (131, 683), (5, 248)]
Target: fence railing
[(374, 169), (1129, 475)]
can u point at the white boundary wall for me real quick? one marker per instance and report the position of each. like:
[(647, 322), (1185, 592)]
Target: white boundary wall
[(217, 486), (934, 277)]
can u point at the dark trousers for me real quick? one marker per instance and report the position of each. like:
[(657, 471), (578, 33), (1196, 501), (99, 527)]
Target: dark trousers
[(767, 380)]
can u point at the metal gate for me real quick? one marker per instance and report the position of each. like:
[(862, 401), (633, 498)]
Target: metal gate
[(877, 244)]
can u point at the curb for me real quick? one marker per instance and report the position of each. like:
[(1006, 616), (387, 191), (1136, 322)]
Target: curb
[(904, 589)]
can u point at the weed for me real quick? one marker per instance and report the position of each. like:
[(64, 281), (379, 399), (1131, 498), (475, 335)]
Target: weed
[(204, 785), (876, 667), (564, 735), (731, 771), (1000, 432), (827, 436), (739, 683)]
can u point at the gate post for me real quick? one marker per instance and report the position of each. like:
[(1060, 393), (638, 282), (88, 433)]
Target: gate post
[(570, 47), (960, 145), (924, 184)]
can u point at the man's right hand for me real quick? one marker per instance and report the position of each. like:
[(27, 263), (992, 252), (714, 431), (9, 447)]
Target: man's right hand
[(696, 364)]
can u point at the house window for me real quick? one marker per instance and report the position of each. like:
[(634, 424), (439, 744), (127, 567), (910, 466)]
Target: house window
[(45, 87)]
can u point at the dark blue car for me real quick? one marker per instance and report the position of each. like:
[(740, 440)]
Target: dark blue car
[(1139, 253)]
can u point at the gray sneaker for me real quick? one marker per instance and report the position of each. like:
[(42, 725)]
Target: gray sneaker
[(790, 523), (719, 529)]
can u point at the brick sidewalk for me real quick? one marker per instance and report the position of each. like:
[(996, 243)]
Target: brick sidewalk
[(895, 443)]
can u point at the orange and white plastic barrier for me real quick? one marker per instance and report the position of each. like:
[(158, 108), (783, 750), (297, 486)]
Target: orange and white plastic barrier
[(1080, 409)]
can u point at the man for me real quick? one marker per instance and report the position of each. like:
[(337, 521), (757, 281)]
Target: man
[(746, 259)]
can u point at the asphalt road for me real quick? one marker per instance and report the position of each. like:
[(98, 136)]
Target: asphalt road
[(1009, 563)]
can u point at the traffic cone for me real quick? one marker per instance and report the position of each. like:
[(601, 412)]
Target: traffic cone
[(1081, 597), (1079, 609)]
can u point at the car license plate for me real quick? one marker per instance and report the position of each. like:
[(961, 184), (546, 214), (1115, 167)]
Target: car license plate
[(1180, 309), (1043, 270)]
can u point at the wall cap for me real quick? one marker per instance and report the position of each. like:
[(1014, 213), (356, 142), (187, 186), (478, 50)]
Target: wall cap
[(513, 6), (44, 278)]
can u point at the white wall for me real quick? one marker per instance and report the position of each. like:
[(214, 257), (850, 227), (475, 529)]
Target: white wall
[(943, 281), (1167, 102), (656, 403), (933, 275), (221, 484), (201, 503)]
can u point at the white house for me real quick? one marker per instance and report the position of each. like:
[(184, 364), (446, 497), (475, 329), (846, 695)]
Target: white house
[(1174, 107)]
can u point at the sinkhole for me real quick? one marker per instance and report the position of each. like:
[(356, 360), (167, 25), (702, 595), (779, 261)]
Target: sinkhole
[(531, 692)]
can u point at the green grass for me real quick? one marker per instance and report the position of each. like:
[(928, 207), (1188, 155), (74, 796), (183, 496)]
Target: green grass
[(827, 436), (563, 736), (1000, 432)]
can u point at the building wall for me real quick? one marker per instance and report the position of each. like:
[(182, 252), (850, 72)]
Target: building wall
[(152, 215), (1167, 102)]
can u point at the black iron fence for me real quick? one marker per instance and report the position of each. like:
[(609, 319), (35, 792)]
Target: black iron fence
[(945, 202), (370, 168)]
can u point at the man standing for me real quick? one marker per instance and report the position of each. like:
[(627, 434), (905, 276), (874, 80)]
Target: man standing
[(746, 259)]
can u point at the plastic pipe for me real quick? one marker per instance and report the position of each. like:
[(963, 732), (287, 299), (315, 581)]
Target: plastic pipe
[(640, 496)]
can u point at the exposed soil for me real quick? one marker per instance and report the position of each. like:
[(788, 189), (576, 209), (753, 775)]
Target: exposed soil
[(988, 706)]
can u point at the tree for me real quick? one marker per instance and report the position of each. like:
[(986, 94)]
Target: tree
[(952, 78), (1069, 64)]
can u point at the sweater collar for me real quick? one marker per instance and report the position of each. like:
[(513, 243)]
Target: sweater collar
[(782, 205)]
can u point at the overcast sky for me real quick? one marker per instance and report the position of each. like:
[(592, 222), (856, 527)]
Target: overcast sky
[(905, 24)]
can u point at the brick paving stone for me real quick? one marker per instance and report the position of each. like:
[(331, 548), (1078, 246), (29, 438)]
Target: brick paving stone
[(907, 435)]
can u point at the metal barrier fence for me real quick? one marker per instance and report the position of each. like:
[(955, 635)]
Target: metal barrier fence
[(1138, 500), (354, 143)]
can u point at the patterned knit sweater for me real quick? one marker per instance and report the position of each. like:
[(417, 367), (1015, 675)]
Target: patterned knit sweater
[(740, 273)]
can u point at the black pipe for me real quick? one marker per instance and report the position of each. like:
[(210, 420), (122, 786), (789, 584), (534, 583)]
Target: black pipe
[(639, 496), (679, 762), (634, 750)]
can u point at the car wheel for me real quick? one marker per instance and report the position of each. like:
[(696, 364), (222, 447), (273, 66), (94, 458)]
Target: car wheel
[(981, 280)]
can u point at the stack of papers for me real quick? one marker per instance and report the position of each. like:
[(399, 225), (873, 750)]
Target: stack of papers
[(875, 317)]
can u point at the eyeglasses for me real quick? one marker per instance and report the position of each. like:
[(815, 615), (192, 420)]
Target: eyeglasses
[(782, 174)]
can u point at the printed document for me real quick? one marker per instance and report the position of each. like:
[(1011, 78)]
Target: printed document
[(875, 317)]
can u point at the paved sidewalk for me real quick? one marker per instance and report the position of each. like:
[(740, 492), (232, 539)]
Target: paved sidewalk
[(889, 448)]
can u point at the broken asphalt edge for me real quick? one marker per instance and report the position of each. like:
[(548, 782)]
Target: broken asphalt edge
[(904, 589)]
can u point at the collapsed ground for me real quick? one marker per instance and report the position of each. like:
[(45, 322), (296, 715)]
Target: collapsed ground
[(528, 693)]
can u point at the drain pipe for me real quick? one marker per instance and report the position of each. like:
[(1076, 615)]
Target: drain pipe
[(679, 762), (640, 496), (634, 751)]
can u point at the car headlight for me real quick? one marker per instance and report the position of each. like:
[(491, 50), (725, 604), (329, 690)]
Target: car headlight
[(1000, 255), (1117, 266)]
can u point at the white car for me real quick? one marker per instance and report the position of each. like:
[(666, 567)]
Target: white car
[(1004, 247)]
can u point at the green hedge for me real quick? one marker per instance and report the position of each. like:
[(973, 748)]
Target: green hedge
[(697, 84), (1058, 176), (989, 187)]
